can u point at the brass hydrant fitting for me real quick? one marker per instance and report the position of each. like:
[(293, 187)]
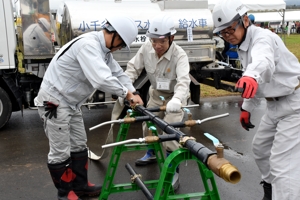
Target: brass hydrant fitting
[(163, 107), (190, 123), (151, 139), (220, 150), (224, 169), (128, 120)]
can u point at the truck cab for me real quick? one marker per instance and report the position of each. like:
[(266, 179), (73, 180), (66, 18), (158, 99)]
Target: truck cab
[(8, 44)]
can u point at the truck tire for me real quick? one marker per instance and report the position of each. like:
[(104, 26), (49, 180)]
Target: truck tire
[(5, 108)]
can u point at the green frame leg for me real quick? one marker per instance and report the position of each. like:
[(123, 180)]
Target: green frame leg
[(108, 186), (165, 182)]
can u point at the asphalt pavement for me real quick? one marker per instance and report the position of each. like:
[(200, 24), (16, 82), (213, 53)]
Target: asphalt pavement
[(24, 147)]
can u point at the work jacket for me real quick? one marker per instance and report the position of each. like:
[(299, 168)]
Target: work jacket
[(266, 59), (172, 66), (87, 65)]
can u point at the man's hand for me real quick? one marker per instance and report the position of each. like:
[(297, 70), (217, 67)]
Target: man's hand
[(50, 109), (248, 87), (245, 119), (174, 105)]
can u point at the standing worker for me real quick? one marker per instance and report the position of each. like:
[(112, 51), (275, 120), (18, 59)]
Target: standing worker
[(272, 72), (167, 68), (81, 66)]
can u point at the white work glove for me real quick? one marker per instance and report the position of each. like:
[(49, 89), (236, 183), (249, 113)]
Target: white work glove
[(121, 101), (174, 105)]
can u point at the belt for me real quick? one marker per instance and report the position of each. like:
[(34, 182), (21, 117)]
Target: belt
[(272, 98), (298, 86), (277, 98)]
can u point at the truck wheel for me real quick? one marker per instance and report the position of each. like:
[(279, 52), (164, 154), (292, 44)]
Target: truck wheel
[(5, 108)]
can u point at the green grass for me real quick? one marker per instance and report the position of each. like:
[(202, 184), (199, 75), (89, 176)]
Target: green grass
[(292, 43)]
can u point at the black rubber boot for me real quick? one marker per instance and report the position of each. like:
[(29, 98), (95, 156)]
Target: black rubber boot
[(267, 190), (62, 177), (81, 185)]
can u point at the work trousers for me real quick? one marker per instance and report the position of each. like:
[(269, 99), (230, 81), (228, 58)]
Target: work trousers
[(66, 133), (276, 147)]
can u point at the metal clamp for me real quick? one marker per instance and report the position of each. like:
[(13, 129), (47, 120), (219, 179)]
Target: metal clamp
[(134, 177), (183, 140)]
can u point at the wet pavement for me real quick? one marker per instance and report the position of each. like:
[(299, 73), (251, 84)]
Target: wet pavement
[(24, 148)]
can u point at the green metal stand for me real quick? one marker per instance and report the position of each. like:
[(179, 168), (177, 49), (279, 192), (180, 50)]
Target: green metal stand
[(163, 186), (170, 165)]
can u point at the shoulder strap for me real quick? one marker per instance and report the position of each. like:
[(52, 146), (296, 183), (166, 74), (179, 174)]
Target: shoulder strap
[(67, 48)]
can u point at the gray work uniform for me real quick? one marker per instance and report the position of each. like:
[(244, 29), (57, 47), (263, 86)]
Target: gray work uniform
[(87, 65), (172, 69), (276, 144)]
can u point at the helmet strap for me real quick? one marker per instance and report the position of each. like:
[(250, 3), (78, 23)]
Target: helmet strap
[(170, 43), (245, 30), (112, 41)]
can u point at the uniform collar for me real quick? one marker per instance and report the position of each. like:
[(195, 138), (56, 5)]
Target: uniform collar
[(245, 44), (102, 42)]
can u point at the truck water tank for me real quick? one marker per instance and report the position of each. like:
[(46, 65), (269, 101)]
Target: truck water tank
[(83, 16)]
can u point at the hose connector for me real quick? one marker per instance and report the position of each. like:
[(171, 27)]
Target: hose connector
[(224, 169), (151, 139)]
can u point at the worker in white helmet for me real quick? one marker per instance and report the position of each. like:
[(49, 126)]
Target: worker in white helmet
[(271, 72), (79, 67), (252, 18), (167, 68), (35, 38)]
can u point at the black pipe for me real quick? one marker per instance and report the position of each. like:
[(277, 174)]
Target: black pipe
[(167, 137), (160, 123), (154, 109), (142, 118), (178, 124), (139, 182), (197, 149)]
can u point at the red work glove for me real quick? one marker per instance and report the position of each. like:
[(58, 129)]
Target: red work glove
[(248, 87), (245, 119)]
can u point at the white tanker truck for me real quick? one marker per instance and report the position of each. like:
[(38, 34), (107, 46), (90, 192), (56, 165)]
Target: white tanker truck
[(23, 62)]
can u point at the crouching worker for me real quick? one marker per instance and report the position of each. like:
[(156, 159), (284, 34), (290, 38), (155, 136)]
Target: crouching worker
[(81, 66)]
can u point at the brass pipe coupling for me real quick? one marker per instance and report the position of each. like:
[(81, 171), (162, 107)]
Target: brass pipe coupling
[(222, 167)]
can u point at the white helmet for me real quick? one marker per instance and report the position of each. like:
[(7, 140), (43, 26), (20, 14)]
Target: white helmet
[(161, 26), (226, 12), (124, 26)]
